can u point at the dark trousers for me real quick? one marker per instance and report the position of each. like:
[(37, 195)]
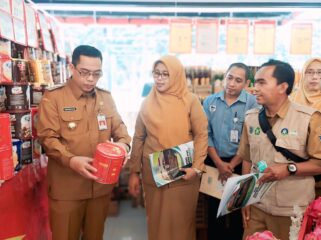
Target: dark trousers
[(230, 226)]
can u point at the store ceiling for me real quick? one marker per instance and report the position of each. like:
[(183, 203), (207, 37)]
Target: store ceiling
[(179, 8)]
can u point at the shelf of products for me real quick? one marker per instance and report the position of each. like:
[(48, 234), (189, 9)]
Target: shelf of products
[(28, 66)]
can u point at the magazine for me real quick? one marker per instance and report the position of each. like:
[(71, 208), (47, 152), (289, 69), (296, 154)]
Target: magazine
[(242, 191), (166, 164), (210, 183)]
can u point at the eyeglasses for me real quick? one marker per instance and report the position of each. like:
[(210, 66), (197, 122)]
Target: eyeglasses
[(86, 74), (312, 72), (163, 75)]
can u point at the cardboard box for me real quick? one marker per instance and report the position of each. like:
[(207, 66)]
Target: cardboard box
[(210, 184)]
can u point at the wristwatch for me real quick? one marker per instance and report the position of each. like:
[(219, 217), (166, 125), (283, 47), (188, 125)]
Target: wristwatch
[(292, 168)]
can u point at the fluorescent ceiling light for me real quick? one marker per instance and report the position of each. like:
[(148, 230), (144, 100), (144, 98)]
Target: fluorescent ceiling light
[(153, 9)]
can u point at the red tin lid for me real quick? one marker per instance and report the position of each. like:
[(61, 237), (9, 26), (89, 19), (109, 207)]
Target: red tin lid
[(110, 150)]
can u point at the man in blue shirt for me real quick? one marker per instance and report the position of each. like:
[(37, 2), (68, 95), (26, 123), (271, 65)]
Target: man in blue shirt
[(225, 111)]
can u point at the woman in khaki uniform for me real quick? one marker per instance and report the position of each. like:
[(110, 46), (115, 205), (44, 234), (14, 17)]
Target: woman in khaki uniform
[(309, 92), (169, 116)]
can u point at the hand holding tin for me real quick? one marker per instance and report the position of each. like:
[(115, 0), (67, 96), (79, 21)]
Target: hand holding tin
[(82, 165)]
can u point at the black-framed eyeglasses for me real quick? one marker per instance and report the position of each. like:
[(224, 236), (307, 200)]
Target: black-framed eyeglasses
[(312, 72), (86, 74), (163, 75)]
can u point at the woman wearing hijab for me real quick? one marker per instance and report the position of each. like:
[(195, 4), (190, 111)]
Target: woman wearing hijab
[(169, 116), (309, 92)]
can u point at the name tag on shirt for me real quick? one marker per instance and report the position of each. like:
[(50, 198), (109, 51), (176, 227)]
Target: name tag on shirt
[(102, 123), (234, 136)]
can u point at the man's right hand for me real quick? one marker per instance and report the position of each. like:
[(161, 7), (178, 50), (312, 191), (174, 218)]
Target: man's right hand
[(82, 165), (134, 184), (225, 169)]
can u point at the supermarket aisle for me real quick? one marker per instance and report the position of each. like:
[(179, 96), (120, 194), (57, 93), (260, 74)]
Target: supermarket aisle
[(130, 224)]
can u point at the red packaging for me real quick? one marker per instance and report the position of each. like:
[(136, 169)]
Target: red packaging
[(6, 163), (108, 161), (5, 70), (34, 120), (5, 130)]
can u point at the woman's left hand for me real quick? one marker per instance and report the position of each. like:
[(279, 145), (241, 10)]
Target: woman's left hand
[(190, 173)]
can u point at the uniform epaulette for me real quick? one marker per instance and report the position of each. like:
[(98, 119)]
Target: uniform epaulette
[(253, 110), (54, 87), (304, 109), (102, 89)]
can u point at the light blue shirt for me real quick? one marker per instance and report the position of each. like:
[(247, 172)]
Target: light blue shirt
[(220, 121)]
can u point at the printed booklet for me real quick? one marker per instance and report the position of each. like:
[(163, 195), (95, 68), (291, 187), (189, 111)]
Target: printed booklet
[(165, 164), (242, 191)]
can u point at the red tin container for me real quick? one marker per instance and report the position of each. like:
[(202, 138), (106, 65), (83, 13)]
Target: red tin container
[(108, 161), (6, 163), (5, 130)]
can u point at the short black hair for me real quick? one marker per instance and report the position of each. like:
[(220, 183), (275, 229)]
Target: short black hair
[(85, 50), (283, 72), (243, 66)]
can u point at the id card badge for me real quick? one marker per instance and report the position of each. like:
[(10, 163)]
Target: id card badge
[(102, 123), (234, 136)]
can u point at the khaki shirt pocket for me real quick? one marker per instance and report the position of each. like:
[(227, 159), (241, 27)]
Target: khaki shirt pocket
[(72, 123), (294, 191), (292, 144)]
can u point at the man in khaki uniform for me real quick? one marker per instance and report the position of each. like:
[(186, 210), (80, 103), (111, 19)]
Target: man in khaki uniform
[(73, 119), (297, 128)]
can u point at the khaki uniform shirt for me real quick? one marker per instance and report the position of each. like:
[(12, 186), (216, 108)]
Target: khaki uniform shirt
[(68, 127), (297, 128)]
